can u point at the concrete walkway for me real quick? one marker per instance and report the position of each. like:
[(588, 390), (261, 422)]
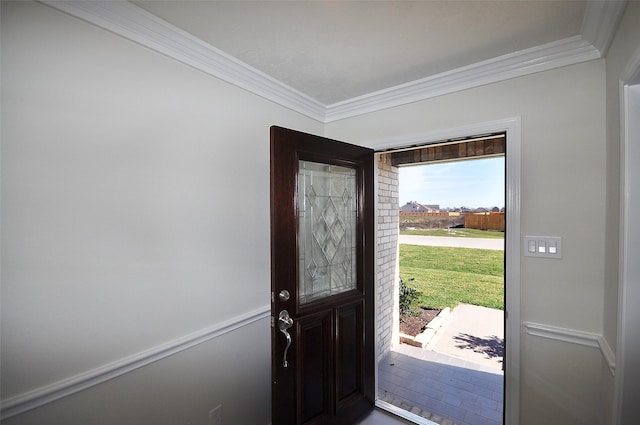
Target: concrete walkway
[(472, 333), (479, 243)]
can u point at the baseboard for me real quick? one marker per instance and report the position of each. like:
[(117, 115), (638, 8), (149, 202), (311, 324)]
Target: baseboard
[(574, 337), (39, 397)]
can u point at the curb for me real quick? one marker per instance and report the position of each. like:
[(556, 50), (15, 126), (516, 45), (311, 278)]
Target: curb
[(422, 339)]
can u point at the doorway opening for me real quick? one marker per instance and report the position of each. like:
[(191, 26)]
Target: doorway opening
[(427, 377)]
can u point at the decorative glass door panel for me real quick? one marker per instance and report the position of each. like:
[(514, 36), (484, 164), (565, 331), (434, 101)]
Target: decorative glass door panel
[(327, 230)]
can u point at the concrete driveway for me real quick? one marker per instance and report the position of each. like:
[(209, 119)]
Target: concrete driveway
[(480, 243)]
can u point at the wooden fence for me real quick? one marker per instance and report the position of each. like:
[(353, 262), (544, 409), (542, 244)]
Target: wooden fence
[(485, 221), (429, 214)]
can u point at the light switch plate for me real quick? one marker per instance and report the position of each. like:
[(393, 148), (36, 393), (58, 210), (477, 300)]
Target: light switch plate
[(543, 246)]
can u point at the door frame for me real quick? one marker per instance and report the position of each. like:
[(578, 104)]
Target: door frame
[(628, 295), (512, 128)]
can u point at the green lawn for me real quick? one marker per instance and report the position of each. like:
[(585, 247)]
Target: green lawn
[(456, 233), (446, 276)]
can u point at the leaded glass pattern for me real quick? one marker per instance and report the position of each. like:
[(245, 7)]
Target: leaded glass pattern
[(327, 230)]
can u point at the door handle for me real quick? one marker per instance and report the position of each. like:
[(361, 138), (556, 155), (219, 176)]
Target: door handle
[(285, 322)]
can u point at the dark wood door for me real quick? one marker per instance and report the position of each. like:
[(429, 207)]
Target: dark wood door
[(322, 273)]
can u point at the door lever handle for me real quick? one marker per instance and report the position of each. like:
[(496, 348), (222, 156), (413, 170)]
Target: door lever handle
[(285, 322)]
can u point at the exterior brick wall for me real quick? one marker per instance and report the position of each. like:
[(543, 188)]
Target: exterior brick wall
[(387, 267)]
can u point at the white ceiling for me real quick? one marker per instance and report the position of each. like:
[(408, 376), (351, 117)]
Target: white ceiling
[(332, 60), (337, 50)]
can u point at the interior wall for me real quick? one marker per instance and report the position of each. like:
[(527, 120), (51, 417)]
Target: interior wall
[(124, 171), (563, 193), (180, 389), (135, 213)]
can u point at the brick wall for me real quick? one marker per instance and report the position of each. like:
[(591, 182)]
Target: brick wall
[(387, 267)]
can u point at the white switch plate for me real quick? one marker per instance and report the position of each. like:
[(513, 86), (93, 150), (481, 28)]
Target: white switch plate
[(543, 246)]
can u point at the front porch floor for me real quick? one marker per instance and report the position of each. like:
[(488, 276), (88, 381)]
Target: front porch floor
[(442, 388)]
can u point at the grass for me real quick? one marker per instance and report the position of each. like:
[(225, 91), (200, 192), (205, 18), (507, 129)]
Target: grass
[(456, 233), (447, 276)]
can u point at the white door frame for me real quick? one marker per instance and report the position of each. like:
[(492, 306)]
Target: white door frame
[(512, 128), (626, 409)]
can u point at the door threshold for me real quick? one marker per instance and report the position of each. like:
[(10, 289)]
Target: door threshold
[(404, 414)]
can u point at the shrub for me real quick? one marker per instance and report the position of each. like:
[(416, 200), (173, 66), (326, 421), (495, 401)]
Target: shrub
[(408, 297)]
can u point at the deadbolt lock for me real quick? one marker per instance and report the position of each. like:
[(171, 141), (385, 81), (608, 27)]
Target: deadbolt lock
[(284, 295)]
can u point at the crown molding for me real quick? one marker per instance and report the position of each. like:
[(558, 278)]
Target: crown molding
[(601, 19), (138, 25), (541, 58)]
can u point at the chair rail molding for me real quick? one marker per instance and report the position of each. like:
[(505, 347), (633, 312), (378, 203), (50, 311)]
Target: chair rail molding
[(49, 393), (572, 336)]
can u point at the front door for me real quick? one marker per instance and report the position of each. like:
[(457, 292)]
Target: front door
[(322, 273)]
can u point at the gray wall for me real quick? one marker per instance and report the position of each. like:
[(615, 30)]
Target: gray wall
[(120, 172), (563, 176)]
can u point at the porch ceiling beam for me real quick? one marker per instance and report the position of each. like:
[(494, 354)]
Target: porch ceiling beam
[(486, 146)]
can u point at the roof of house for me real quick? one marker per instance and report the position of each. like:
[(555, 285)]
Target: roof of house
[(413, 206)]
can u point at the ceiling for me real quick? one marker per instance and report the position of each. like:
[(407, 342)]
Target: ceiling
[(332, 60), (338, 50)]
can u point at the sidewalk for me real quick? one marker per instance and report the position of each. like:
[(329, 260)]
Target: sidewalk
[(479, 243), (472, 333)]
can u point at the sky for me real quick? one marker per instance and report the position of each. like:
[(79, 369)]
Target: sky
[(470, 183)]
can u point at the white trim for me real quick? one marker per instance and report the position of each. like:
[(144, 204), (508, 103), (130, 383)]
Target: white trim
[(608, 354), (601, 19), (562, 334), (136, 24), (572, 336), (631, 73), (39, 397), (437, 136), (541, 58), (629, 178), (512, 270), (512, 127)]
